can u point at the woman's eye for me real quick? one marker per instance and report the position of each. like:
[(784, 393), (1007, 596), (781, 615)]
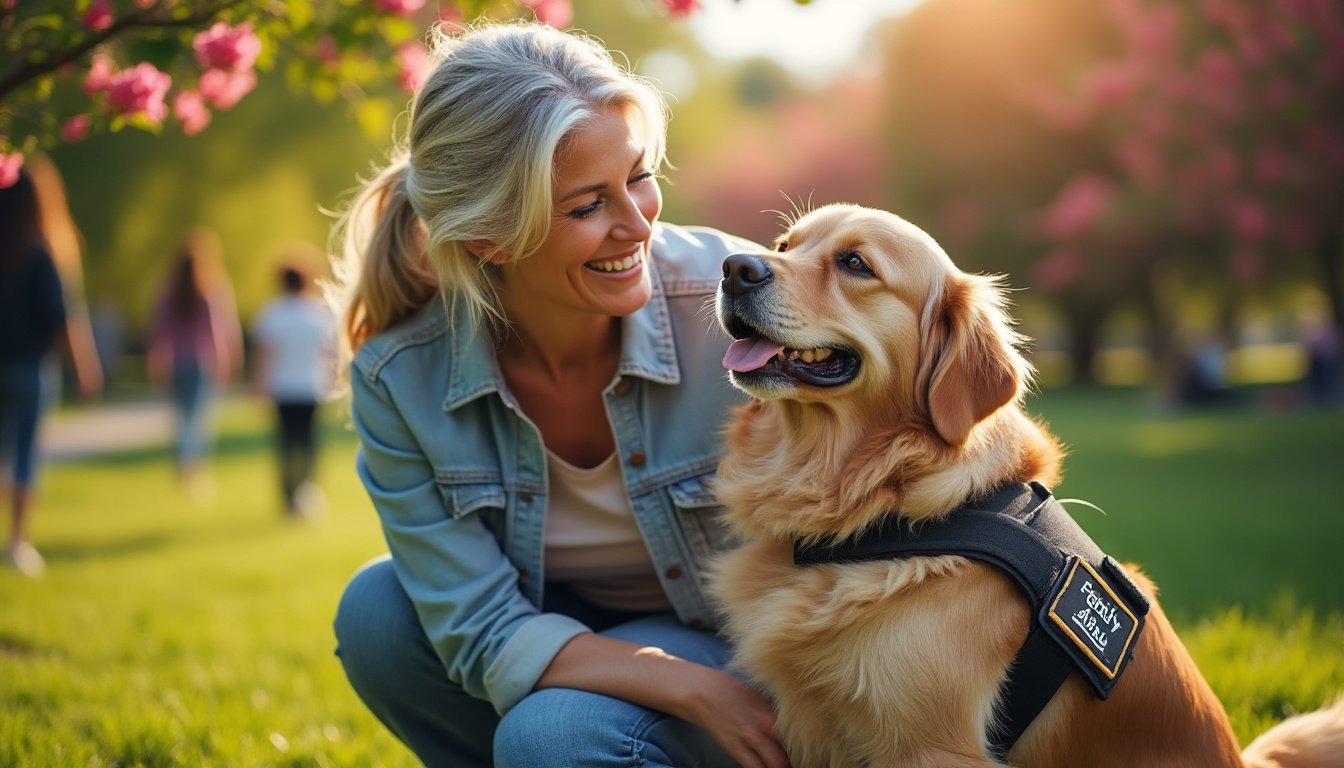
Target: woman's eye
[(583, 212), (645, 176), (855, 263)]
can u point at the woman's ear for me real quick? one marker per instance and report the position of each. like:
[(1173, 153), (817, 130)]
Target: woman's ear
[(977, 369), (487, 251)]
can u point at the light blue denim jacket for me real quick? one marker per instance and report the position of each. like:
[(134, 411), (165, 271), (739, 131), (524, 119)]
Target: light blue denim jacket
[(457, 472)]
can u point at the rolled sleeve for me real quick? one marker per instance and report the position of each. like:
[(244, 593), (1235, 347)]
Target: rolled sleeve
[(493, 641)]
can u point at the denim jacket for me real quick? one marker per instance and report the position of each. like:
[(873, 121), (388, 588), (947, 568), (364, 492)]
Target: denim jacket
[(457, 472)]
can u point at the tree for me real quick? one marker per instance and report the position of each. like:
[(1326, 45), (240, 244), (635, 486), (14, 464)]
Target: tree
[(134, 63), (1223, 124)]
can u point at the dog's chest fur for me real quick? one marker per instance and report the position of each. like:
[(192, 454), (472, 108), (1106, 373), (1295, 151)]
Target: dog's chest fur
[(857, 654)]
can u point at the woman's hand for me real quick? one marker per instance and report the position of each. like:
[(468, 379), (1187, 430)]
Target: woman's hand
[(740, 718)]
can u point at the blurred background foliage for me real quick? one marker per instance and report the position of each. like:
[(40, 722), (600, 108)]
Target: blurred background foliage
[(1013, 132)]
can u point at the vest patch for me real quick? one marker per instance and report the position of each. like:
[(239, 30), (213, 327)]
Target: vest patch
[(1093, 624)]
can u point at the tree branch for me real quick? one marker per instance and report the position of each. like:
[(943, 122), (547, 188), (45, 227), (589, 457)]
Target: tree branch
[(27, 71)]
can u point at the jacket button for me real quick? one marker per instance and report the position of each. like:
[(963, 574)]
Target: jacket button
[(673, 571), (622, 387), (637, 459)]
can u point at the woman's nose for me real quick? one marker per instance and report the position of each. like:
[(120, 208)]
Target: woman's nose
[(633, 224)]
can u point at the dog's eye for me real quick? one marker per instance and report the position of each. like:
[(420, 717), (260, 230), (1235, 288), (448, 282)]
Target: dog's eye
[(782, 246), (855, 263)]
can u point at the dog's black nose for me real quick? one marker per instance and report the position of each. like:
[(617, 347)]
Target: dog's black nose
[(743, 272)]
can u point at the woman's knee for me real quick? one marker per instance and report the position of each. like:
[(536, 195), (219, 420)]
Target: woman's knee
[(376, 626), (564, 727)]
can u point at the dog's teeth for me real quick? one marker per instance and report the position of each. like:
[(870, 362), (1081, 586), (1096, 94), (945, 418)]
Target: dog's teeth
[(823, 353), (793, 354), (807, 356)]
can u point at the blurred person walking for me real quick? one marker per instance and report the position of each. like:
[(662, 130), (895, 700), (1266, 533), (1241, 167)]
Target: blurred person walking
[(295, 365), (195, 345), (33, 315), (66, 245)]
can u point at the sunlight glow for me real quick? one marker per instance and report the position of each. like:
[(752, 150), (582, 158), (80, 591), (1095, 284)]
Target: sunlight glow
[(816, 41)]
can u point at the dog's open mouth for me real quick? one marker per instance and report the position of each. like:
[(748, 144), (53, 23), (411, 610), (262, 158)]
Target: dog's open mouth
[(755, 355)]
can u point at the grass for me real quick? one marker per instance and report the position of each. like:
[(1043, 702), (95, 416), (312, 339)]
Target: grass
[(173, 632)]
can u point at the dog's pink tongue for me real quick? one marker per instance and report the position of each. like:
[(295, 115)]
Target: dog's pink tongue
[(749, 354)]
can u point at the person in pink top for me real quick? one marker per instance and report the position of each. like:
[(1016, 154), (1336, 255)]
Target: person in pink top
[(195, 345)]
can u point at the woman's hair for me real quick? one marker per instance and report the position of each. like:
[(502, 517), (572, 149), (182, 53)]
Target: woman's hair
[(477, 164), (195, 274), (20, 221)]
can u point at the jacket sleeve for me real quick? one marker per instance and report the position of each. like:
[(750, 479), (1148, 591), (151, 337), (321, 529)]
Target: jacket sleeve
[(491, 639)]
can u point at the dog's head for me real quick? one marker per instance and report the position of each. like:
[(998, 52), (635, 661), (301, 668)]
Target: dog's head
[(859, 306)]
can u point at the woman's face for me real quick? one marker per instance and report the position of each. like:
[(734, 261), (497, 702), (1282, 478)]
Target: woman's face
[(605, 199)]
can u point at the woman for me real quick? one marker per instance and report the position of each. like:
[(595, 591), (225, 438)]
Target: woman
[(535, 381), (33, 316), (195, 344)]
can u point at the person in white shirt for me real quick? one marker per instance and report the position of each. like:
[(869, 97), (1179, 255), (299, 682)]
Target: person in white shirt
[(296, 351)]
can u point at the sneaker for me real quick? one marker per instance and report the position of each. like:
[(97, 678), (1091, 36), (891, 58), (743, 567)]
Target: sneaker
[(309, 503), (25, 559)]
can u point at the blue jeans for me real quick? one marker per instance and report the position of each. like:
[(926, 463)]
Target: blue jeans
[(393, 668), (21, 399), (192, 390)]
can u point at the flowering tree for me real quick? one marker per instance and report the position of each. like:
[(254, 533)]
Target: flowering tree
[(145, 64), (1223, 123)]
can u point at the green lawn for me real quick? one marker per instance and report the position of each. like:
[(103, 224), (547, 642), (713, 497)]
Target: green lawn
[(173, 632)]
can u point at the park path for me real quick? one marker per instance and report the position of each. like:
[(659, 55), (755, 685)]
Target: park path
[(109, 427)]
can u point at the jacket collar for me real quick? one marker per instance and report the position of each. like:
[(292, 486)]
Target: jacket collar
[(647, 350)]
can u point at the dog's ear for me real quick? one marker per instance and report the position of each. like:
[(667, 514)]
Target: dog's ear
[(970, 360)]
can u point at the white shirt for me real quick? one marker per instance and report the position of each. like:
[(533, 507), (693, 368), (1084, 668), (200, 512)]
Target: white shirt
[(298, 334)]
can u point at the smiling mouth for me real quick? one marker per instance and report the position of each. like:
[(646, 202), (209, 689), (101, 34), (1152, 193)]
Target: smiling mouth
[(755, 356), (617, 265)]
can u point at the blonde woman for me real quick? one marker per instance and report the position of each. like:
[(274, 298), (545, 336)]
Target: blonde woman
[(537, 392)]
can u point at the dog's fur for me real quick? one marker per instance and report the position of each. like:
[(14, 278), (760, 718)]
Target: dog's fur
[(898, 663)]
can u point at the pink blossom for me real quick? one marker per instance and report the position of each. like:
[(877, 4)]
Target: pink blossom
[(1250, 220), (75, 129), (98, 17), (557, 13), (1110, 84), (189, 108), (1057, 270), (1271, 165), (223, 89), (100, 73), (412, 58), (400, 7), (681, 8), (327, 51), (10, 165), (1077, 207), (140, 91), (1218, 69), (224, 47), (450, 16), (1138, 158)]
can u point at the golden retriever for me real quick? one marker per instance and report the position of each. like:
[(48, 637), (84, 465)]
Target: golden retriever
[(887, 382)]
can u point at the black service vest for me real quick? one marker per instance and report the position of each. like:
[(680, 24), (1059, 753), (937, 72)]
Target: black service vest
[(1087, 613)]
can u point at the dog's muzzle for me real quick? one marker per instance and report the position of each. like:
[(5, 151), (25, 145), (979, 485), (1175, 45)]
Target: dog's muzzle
[(744, 273)]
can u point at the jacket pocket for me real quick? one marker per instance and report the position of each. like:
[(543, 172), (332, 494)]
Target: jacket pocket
[(701, 516), (462, 499)]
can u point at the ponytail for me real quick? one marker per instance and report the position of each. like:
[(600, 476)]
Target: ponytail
[(384, 274)]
